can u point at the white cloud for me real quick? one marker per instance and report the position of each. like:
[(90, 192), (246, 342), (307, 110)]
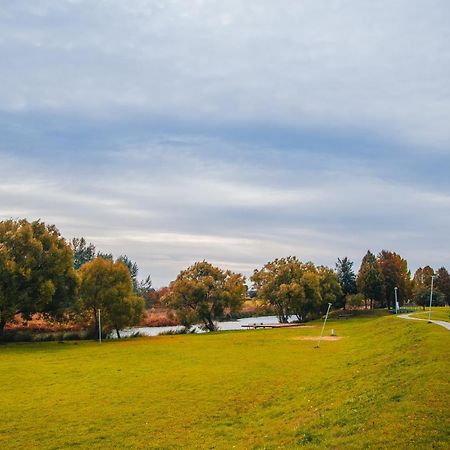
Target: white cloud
[(376, 72), (167, 208), (378, 65)]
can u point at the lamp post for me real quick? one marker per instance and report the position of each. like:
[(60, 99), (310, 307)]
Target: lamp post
[(99, 327), (396, 300), (431, 297), (324, 322)]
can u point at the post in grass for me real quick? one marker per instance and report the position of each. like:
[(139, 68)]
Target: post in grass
[(99, 327), (324, 323), (431, 298)]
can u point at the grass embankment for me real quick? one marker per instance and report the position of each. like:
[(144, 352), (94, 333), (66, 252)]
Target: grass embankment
[(384, 385), (437, 313)]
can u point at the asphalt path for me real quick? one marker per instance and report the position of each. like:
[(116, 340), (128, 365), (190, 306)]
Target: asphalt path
[(437, 322)]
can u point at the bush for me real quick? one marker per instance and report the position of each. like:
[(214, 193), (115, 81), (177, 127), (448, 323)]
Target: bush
[(184, 330), (33, 336), (422, 297), (354, 301)]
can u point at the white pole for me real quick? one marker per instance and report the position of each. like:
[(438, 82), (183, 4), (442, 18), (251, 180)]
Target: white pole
[(324, 322), (396, 301), (431, 296), (99, 327)]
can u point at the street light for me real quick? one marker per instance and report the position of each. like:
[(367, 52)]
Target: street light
[(99, 327), (324, 322), (431, 297)]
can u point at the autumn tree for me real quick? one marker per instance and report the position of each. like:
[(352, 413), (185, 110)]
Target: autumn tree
[(370, 280), (36, 271), (296, 288), (203, 294), (422, 277), (308, 304), (396, 275), (107, 286), (347, 279), (330, 288), (279, 284), (82, 252), (442, 283)]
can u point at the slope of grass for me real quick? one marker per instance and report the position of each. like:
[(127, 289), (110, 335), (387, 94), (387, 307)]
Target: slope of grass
[(384, 385), (437, 313)]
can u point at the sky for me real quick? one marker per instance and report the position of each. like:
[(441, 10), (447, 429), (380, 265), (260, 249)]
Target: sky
[(237, 132)]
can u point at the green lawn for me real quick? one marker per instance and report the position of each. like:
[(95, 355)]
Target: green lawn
[(437, 313), (384, 385)]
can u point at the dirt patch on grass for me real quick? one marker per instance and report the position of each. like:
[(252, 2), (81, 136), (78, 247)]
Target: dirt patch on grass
[(316, 338)]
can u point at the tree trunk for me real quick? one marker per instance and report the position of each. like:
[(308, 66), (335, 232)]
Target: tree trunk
[(2, 329), (210, 325), (96, 335), (118, 333)]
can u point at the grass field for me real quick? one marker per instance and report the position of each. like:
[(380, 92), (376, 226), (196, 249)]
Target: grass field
[(384, 385), (437, 313)]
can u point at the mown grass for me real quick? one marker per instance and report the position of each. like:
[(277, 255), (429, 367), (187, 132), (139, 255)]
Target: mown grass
[(437, 313), (383, 386)]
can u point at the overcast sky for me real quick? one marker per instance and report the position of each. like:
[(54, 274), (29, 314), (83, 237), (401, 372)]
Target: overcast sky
[(233, 131)]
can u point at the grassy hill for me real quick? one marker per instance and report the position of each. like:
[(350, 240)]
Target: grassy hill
[(383, 385), (437, 313)]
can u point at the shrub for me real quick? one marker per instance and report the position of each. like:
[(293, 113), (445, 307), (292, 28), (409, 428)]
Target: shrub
[(354, 301)]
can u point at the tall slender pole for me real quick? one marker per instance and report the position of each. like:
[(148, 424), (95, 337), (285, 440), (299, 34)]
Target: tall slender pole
[(324, 322), (431, 296), (99, 327)]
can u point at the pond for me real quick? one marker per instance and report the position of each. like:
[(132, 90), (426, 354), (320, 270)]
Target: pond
[(223, 326)]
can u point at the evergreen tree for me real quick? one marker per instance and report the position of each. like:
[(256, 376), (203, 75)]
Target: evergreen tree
[(132, 268), (347, 279), (370, 281), (82, 252)]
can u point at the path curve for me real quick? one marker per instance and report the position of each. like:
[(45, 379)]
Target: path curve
[(437, 322)]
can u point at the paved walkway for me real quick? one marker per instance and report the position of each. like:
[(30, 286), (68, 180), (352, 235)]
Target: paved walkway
[(437, 322)]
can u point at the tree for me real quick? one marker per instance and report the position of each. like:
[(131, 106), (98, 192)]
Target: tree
[(107, 286), (370, 280), (132, 268), (396, 275), (296, 288), (442, 283), (107, 256), (355, 301), (347, 279), (330, 288), (36, 271), (309, 301), (422, 277), (279, 284), (203, 293), (82, 252), (145, 290), (141, 288), (422, 297)]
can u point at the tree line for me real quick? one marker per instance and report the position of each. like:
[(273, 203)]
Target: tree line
[(40, 272)]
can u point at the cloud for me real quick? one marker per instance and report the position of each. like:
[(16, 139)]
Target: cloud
[(168, 204), (233, 131), (382, 65)]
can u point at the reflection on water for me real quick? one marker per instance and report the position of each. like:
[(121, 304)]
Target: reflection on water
[(224, 326)]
